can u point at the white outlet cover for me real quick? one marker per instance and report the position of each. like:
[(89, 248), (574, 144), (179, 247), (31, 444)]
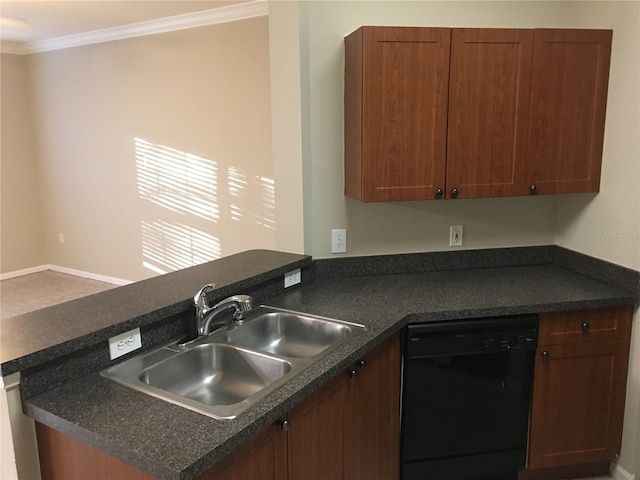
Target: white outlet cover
[(124, 343), (292, 278)]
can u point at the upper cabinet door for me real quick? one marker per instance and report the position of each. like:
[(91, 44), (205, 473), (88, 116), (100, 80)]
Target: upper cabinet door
[(396, 93), (568, 100), (489, 88)]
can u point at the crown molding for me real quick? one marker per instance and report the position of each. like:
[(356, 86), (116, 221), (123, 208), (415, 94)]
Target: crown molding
[(231, 13)]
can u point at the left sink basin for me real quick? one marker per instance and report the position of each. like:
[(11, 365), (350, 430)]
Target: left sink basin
[(214, 379), (215, 374)]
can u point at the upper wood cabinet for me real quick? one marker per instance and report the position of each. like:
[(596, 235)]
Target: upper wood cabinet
[(488, 100), (568, 103), (466, 113), (396, 88)]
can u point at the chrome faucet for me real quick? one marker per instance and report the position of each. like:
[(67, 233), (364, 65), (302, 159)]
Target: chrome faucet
[(206, 314)]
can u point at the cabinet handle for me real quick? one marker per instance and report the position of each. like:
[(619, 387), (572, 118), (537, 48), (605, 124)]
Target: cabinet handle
[(439, 193), (362, 364), (284, 425), (454, 192), (533, 189), (585, 326), (353, 373), (545, 355)]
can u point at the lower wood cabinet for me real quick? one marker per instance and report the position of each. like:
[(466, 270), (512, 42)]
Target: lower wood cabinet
[(349, 429), (578, 392)]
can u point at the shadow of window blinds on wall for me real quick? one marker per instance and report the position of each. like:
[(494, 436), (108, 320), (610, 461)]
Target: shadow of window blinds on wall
[(188, 186)]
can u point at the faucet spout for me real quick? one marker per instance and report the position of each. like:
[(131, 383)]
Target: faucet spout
[(200, 302), (206, 316)]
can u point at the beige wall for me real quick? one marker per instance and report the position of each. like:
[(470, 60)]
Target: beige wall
[(155, 153), (22, 242)]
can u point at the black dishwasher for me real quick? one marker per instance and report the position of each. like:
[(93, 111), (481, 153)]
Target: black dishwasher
[(465, 398)]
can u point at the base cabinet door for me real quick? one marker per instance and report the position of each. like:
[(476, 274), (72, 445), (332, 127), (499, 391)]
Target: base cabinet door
[(314, 435), (371, 418), (264, 457), (582, 426), (578, 391)]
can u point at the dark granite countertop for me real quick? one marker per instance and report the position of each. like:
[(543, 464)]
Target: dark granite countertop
[(175, 443)]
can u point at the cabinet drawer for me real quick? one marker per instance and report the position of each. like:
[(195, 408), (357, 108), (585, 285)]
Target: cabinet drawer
[(584, 325)]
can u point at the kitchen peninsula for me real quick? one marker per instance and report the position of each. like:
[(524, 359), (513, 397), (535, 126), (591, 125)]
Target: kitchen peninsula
[(60, 351)]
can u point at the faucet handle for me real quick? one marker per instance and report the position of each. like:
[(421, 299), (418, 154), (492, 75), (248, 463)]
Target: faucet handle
[(245, 302), (200, 298)]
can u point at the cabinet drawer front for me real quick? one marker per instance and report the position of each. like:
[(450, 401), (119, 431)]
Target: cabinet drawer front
[(584, 325)]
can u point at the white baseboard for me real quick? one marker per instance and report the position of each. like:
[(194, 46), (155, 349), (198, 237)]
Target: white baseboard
[(619, 473), (25, 271), (69, 271)]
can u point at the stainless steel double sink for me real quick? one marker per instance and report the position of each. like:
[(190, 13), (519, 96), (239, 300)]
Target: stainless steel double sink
[(224, 373)]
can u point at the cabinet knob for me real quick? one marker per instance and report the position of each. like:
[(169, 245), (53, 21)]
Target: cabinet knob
[(439, 193), (545, 355), (353, 373), (454, 192), (585, 326), (362, 364), (284, 425), (533, 189)]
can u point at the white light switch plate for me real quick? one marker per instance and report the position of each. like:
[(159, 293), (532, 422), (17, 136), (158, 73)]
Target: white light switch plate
[(338, 240), (124, 343)]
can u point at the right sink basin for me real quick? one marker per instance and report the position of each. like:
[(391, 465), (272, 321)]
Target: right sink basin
[(289, 334)]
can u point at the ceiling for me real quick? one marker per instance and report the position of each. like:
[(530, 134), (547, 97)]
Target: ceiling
[(46, 20)]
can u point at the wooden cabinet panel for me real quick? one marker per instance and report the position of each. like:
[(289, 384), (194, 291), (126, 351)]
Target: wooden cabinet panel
[(372, 439), (601, 324), (264, 457), (578, 392), (65, 458), (396, 89), (567, 113), (488, 107), (315, 437), (578, 404)]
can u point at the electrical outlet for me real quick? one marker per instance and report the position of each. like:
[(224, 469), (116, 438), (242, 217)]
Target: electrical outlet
[(61, 237), (338, 241), (124, 343), (455, 236), (292, 278)]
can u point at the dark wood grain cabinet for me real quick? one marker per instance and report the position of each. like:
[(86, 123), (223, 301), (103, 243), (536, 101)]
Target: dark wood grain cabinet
[(349, 429), (567, 115), (396, 87), (465, 113), (488, 100), (578, 392)]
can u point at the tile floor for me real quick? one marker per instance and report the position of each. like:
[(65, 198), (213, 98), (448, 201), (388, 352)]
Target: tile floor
[(38, 290)]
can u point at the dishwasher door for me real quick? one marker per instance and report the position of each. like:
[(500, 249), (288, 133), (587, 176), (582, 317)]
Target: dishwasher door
[(466, 397)]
